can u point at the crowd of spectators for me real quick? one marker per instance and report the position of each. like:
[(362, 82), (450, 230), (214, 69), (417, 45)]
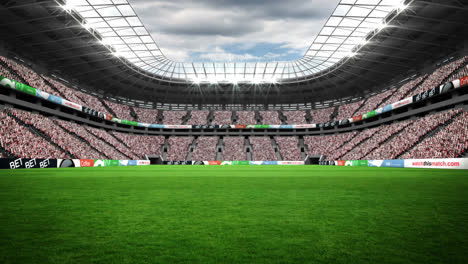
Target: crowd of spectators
[(121, 111), (31, 77), (463, 72), (375, 141), (222, 118), (205, 149), (234, 149), (173, 117), (262, 150), (68, 93), (104, 135), (326, 145), (360, 137), (246, 118), (373, 102), (289, 148), (145, 115), (347, 111), (178, 148), (21, 142), (78, 148), (92, 102), (410, 136), (141, 145), (450, 142), (401, 92), (5, 72), (321, 115), (295, 117), (270, 118), (198, 117)]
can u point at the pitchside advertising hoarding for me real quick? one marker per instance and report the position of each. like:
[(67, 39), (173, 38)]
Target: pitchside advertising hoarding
[(66, 163), (461, 163)]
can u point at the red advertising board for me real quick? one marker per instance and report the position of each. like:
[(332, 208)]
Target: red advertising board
[(86, 163), (341, 163), (214, 162), (357, 118)]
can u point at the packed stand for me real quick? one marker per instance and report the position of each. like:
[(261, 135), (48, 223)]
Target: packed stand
[(145, 115), (198, 117), (122, 111), (141, 145), (295, 117), (92, 102), (321, 115), (359, 138), (173, 117), (289, 148), (222, 118), (270, 118), (178, 148), (373, 102), (375, 141), (449, 142), (234, 149), (21, 142), (326, 145), (410, 136), (31, 77), (109, 151), (463, 72), (65, 140), (205, 149), (401, 92), (438, 76), (69, 93), (347, 111), (246, 118), (262, 150), (4, 72), (104, 135)]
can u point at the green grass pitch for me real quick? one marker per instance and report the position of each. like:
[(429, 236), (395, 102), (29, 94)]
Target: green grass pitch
[(233, 214)]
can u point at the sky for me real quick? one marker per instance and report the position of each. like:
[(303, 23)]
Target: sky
[(233, 30)]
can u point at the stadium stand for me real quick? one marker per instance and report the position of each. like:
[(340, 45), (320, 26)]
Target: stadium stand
[(198, 117), (289, 148), (122, 111), (173, 117), (205, 149), (359, 138), (262, 150), (347, 110), (109, 139), (149, 116), (234, 149), (178, 148), (6, 73), (141, 145), (326, 145), (222, 118), (68, 93), (295, 117), (450, 142), (401, 92), (321, 115), (246, 118), (374, 101), (270, 118)]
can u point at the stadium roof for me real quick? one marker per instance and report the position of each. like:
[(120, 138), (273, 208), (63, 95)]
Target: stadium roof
[(350, 27)]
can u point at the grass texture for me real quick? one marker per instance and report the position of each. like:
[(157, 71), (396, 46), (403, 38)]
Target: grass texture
[(233, 214)]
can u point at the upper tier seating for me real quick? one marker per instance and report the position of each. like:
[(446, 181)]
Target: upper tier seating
[(122, 111), (449, 142), (346, 111), (141, 145), (178, 148), (4, 72), (173, 117), (234, 149), (295, 117), (246, 118), (31, 77), (222, 118), (198, 118), (69, 93), (270, 118), (402, 91), (289, 148), (21, 142), (145, 115), (262, 150), (321, 115), (205, 149), (373, 102)]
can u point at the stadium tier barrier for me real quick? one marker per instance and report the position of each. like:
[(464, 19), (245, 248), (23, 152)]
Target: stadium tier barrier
[(5, 82), (458, 163), (21, 163)]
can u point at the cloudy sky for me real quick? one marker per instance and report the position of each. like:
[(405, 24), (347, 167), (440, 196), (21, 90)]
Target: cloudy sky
[(233, 30)]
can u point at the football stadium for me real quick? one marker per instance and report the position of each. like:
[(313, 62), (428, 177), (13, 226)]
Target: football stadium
[(178, 131)]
